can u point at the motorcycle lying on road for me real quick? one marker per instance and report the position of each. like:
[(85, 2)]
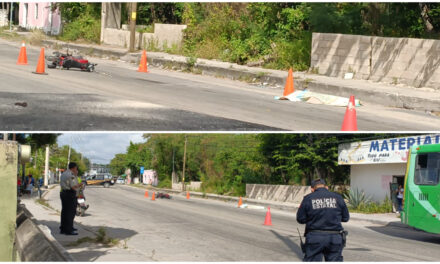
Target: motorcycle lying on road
[(67, 61), (81, 203)]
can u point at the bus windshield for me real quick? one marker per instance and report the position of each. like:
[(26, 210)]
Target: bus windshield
[(427, 169)]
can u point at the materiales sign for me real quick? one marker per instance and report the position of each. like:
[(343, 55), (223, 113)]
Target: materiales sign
[(391, 150)]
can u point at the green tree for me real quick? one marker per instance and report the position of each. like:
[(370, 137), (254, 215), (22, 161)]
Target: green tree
[(118, 164)]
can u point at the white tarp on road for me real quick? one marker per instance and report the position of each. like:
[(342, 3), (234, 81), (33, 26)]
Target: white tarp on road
[(317, 98)]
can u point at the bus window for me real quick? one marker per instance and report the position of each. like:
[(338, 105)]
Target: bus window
[(427, 169)]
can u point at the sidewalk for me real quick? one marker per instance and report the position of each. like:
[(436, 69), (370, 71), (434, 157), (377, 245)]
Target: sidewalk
[(391, 95), (79, 247)]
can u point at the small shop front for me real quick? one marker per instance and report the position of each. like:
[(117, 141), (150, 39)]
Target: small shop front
[(377, 167)]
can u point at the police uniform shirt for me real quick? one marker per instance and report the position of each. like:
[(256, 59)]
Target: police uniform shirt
[(322, 210), (67, 180)]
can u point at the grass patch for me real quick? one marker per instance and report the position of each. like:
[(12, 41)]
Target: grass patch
[(37, 37), (9, 35), (261, 74), (146, 29), (246, 78), (307, 81), (138, 185), (100, 238), (44, 202)]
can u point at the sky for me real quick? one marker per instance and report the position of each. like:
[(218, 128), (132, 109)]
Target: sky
[(100, 147)]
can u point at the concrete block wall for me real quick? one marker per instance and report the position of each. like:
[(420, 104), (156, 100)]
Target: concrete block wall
[(279, 193), (168, 34), (119, 37), (336, 54), (414, 62), (165, 35), (191, 186)]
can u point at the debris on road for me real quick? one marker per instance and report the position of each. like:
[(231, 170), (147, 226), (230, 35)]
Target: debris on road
[(22, 104), (249, 206), (316, 98)]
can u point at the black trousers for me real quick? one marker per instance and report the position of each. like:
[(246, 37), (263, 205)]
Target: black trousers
[(68, 209), (321, 244)]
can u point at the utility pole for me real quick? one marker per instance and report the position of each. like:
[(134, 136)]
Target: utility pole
[(103, 20), (133, 26), (173, 158), (184, 159), (68, 155), (46, 167), (10, 17)]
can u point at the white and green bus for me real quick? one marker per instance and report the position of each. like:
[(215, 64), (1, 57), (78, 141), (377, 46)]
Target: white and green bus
[(421, 202)]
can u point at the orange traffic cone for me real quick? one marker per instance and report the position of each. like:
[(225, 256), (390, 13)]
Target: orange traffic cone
[(143, 64), (268, 220), (288, 88), (350, 123), (40, 66), (153, 197), (240, 202), (187, 195), (22, 57), (146, 193)]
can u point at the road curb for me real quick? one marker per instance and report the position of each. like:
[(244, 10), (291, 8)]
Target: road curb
[(35, 242), (251, 74)]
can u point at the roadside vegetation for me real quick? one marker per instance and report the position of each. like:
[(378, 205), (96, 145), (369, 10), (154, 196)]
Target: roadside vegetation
[(100, 238), (225, 163), (272, 35), (82, 21), (358, 202), (57, 158)]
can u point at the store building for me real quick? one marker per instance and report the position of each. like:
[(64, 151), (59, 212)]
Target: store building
[(378, 166), (40, 15)]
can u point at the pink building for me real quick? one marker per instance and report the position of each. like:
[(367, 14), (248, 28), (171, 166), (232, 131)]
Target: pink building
[(39, 15)]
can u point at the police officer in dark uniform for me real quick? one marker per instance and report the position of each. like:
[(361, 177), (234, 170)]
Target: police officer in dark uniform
[(323, 211), (69, 186)]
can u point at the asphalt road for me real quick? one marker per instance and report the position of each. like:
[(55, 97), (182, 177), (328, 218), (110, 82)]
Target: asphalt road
[(119, 98), (208, 230)]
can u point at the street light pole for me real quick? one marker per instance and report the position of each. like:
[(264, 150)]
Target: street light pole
[(68, 155), (46, 167), (10, 17)]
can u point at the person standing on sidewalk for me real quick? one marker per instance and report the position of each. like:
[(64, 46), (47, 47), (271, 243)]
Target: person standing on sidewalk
[(69, 186), (399, 197), (323, 211), (30, 184)]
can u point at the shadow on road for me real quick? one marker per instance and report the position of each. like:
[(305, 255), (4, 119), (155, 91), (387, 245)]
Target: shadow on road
[(89, 251), (406, 232), (294, 246)]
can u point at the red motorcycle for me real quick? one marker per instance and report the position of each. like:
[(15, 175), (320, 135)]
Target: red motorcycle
[(67, 61)]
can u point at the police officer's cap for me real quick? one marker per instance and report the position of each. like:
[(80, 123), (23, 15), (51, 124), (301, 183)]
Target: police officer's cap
[(317, 182)]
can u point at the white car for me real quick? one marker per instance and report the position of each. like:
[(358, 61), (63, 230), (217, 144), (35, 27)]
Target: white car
[(120, 180)]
